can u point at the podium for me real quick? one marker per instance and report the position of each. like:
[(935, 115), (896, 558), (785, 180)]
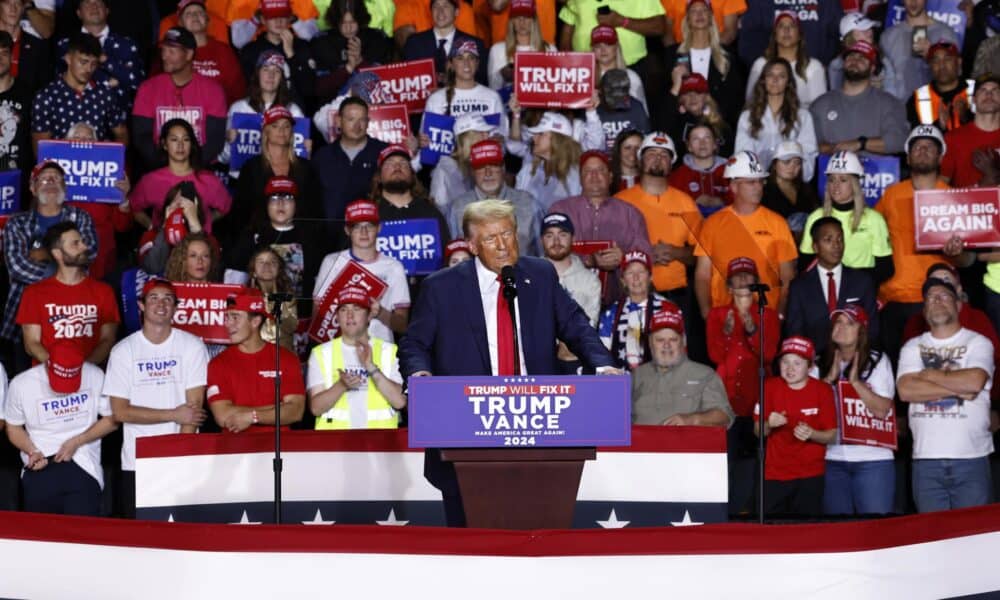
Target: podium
[(518, 444)]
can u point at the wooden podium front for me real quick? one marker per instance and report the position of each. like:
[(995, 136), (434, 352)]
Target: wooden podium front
[(519, 488)]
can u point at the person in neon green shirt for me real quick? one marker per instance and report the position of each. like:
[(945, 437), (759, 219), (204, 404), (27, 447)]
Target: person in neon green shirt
[(633, 20), (866, 235)]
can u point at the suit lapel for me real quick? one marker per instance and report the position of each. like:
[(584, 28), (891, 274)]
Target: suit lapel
[(472, 305), (527, 296)]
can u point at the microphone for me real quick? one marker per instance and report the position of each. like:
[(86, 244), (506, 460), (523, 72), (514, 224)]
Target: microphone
[(281, 297), (760, 288), (509, 283)]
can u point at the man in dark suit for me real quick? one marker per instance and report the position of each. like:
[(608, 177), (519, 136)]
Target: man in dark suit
[(459, 323), (809, 296), (438, 41)]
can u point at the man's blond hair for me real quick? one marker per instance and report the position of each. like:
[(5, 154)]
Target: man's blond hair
[(487, 211)]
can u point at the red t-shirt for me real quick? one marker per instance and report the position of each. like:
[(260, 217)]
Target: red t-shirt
[(956, 164), (787, 457), (74, 312), (248, 379)]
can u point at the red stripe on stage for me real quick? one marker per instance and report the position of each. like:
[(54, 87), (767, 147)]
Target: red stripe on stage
[(644, 439), (367, 539)]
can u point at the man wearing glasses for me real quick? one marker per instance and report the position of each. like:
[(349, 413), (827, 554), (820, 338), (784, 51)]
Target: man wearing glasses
[(155, 380)]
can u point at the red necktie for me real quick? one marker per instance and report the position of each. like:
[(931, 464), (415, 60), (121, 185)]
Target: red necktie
[(505, 337), (831, 292)]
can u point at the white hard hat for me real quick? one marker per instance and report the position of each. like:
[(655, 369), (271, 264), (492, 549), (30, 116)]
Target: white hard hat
[(552, 121), (855, 21), (745, 165), (926, 131), (846, 163), (658, 139)]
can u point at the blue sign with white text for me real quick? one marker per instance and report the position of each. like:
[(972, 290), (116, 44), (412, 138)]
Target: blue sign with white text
[(880, 173), (414, 242), (246, 145), (10, 192), (945, 11), (92, 168), (527, 411), (440, 130)]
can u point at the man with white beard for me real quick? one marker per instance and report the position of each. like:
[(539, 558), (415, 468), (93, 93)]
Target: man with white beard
[(28, 261)]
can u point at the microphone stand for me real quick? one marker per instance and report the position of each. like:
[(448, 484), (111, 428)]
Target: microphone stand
[(278, 300), (761, 290)]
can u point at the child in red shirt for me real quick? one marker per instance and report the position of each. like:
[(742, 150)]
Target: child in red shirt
[(801, 421)]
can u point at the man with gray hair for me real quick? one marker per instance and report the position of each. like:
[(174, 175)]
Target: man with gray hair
[(462, 323)]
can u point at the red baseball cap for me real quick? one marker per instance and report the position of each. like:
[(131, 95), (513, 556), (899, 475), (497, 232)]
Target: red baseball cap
[(249, 300), (945, 45), (637, 256), (276, 113), (603, 34), (668, 317), (355, 296), (589, 154), (175, 228), (707, 3), (156, 282), (694, 82), (863, 48), (853, 312), (456, 245), (361, 211), (46, 164), (392, 150), (785, 14), (273, 9), (485, 152), (741, 264), (800, 346), (64, 367), (280, 185), (186, 3), (522, 8)]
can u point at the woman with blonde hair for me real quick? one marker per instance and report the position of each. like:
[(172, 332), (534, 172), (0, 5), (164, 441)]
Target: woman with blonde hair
[(551, 170), (701, 52), (773, 116), (523, 34), (866, 235), (452, 176), (787, 43), (608, 55)]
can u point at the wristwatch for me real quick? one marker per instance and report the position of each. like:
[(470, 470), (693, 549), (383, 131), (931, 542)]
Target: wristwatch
[(863, 141)]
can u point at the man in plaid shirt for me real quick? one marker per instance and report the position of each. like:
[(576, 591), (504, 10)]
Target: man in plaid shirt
[(27, 261)]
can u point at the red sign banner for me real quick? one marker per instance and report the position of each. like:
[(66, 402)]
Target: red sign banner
[(390, 124), (408, 83), (972, 214), (201, 310), (585, 249), (324, 324), (859, 426), (554, 79)]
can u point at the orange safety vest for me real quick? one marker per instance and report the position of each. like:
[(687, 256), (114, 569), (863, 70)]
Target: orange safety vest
[(928, 103)]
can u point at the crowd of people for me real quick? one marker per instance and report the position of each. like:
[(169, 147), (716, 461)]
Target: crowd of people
[(708, 211)]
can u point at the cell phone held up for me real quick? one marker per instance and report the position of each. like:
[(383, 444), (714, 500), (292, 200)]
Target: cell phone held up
[(187, 190), (604, 10), (919, 35)]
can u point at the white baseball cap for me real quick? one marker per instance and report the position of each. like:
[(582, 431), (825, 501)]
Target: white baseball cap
[(552, 121), (658, 139), (788, 149), (471, 123), (855, 21), (745, 165), (846, 163), (926, 131)]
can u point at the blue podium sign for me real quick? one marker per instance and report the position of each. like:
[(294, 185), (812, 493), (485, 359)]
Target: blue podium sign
[(527, 411)]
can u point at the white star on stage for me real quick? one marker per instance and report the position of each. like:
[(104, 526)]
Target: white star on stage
[(244, 520), (686, 521), (391, 519), (318, 520), (613, 522), (170, 518)]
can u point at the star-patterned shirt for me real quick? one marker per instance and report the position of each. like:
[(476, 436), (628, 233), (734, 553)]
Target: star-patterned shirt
[(123, 64), (58, 107)]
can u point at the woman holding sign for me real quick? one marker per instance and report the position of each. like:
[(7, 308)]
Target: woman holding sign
[(523, 34), (462, 95), (860, 477)]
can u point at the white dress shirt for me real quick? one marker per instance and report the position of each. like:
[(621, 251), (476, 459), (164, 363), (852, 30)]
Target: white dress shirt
[(489, 288)]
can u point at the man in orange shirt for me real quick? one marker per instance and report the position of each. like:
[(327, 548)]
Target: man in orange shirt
[(902, 293), (744, 228)]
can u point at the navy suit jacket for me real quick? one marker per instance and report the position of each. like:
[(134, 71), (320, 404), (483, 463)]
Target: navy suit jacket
[(807, 312), (423, 44)]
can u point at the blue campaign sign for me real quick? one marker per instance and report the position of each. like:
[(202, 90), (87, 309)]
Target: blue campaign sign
[(247, 143), (539, 411), (414, 242), (880, 173), (440, 128), (945, 11), (10, 192), (92, 168), (131, 287)]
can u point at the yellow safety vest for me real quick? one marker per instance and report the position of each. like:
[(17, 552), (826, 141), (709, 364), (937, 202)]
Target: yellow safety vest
[(928, 102), (381, 414)]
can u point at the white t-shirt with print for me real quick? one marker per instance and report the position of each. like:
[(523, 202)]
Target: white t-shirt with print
[(154, 376), (50, 418), (950, 427), (386, 268)]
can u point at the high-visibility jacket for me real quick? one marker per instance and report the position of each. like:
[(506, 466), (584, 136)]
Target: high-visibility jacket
[(928, 103), (381, 414)]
